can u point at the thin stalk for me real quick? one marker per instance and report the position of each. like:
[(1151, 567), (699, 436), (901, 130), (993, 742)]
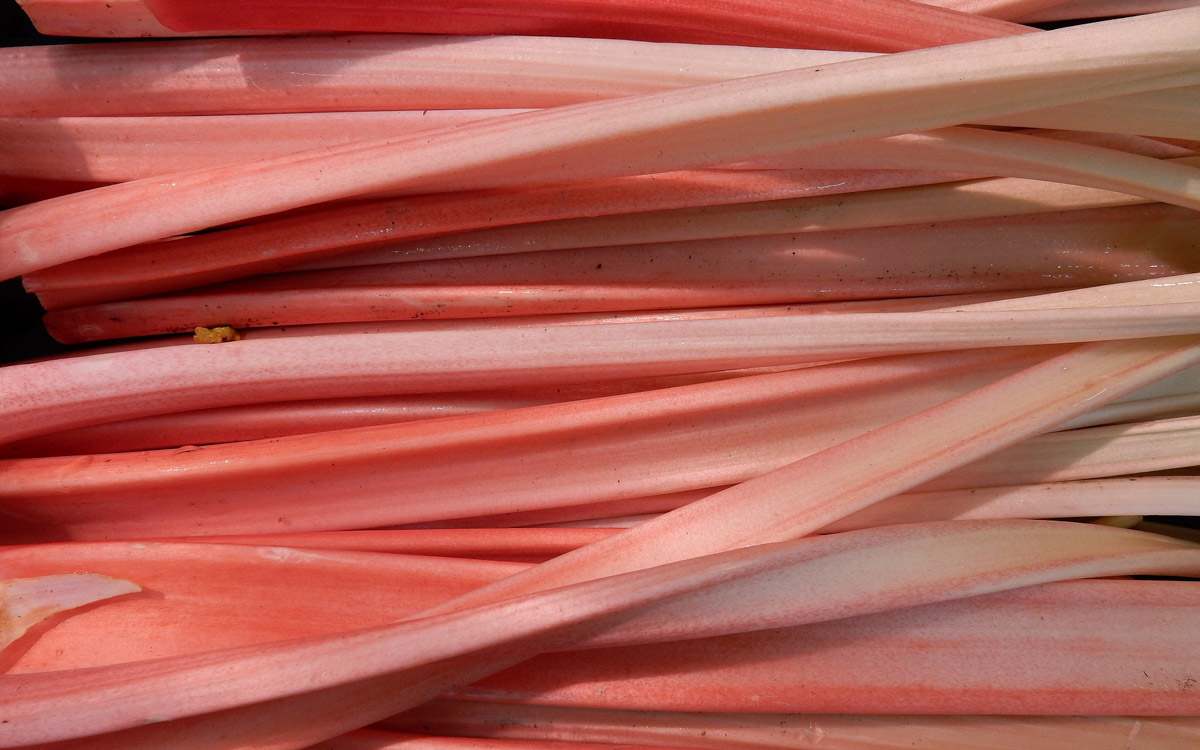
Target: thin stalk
[(277, 244), (1068, 499), (1052, 250), (952, 657), (1070, 10), (855, 474), (1110, 450), (734, 428), (370, 72), (378, 694), (1004, 9), (718, 731), (680, 129), (750, 586), (883, 25), (118, 149), (64, 393), (259, 422), (891, 208), (203, 597)]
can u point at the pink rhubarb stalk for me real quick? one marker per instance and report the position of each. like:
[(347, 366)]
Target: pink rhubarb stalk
[(878, 25), (680, 129), (745, 589)]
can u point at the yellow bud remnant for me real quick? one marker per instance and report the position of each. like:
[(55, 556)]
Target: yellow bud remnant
[(217, 335)]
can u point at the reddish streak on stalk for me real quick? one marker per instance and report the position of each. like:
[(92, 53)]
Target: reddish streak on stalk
[(922, 452), (787, 503), (192, 606), (1083, 649), (869, 25), (1165, 496), (259, 422), (378, 739), (503, 544), (371, 72), (626, 506), (71, 392), (687, 437), (276, 244), (716, 731), (505, 465), (1006, 201), (1169, 496), (1051, 250), (742, 590), (123, 19), (663, 131), (195, 597), (118, 149)]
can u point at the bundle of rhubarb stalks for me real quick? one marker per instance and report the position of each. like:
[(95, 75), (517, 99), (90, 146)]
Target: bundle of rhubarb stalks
[(562, 374)]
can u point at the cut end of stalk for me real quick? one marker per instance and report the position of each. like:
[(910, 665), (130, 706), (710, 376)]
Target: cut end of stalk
[(25, 602)]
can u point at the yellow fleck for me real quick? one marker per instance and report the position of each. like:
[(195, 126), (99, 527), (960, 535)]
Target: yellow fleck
[(217, 335)]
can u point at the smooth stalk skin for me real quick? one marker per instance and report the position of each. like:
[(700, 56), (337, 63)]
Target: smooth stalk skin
[(1008, 201), (1167, 496), (1172, 288), (1079, 498), (1167, 113), (193, 607), (42, 397), (369, 72), (353, 705), (748, 589), (209, 77), (27, 601), (1004, 9), (644, 203), (510, 469), (569, 514), (807, 495), (754, 731), (870, 25), (1051, 250), (1110, 450), (202, 597), (502, 544), (1009, 154), (118, 149), (545, 456), (680, 129), (277, 244), (1072, 10), (1082, 650), (116, 18), (260, 422), (378, 739), (1070, 498)]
